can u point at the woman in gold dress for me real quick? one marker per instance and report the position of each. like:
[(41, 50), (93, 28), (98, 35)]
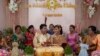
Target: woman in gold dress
[(90, 37), (57, 38)]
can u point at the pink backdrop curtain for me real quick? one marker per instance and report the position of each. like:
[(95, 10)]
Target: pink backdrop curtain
[(18, 18), (82, 20)]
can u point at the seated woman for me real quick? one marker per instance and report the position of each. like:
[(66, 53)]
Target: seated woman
[(18, 36), (30, 36), (90, 37), (96, 41), (73, 39), (57, 38)]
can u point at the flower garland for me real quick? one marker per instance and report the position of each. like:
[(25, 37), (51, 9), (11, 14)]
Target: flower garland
[(91, 8)]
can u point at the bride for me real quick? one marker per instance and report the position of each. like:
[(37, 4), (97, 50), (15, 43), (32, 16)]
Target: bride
[(57, 38)]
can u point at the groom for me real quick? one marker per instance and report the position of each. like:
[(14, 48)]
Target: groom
[(40, 38)]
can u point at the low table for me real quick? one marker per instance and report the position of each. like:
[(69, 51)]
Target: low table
[(49, 51)]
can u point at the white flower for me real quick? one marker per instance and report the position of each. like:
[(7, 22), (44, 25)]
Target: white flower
[(13, 7), (91, 11), (96, 2)]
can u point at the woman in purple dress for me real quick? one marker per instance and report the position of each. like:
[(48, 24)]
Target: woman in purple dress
[(73, 39)]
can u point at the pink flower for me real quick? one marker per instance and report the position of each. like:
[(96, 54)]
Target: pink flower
[(89, 2), (3, 52), (96, 53)]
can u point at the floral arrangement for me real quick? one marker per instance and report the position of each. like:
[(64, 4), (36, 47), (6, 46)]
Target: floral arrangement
[(13, 6), (28, 50), (91, 6)]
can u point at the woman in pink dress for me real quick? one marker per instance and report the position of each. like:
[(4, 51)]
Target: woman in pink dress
[(73, 39)]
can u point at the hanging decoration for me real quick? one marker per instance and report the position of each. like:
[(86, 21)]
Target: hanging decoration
[(52, 4), (91, 4), (91, 11), (13, 5)]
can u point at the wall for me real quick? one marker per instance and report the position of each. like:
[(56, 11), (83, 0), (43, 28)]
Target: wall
[(36, 16)]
